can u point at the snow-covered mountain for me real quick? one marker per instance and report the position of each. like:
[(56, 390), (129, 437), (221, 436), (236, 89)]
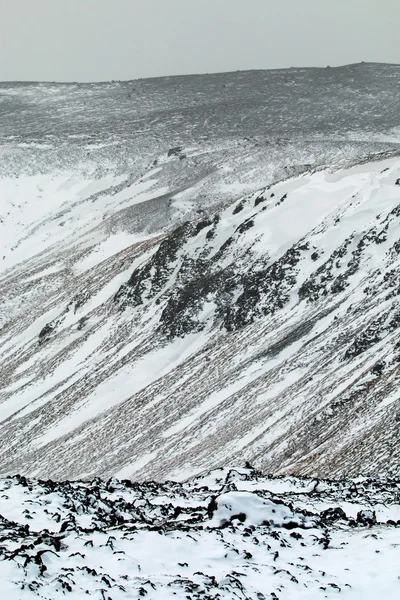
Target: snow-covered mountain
[(201, 271)]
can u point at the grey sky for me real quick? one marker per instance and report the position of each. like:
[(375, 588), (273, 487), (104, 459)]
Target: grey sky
[(88, 40)]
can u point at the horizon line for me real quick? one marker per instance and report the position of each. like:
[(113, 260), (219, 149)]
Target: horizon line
[(113, 81)]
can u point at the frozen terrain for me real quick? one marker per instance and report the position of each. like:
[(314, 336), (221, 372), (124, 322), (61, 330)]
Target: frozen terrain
[(227, 534), (199, 271)]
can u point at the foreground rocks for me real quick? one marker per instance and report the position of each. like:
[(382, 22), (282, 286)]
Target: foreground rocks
[(230, 533)]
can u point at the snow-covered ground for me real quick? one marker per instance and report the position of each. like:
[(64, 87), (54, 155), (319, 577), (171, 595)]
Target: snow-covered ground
[(226, 534)]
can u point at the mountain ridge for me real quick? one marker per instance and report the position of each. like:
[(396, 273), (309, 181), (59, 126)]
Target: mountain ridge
[(216, 73)]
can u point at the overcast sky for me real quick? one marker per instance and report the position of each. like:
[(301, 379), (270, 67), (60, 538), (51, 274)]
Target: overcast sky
[(91, 40)]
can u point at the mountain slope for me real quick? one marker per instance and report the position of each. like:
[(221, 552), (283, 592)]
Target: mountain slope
[(200, 270), (264, 331)]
